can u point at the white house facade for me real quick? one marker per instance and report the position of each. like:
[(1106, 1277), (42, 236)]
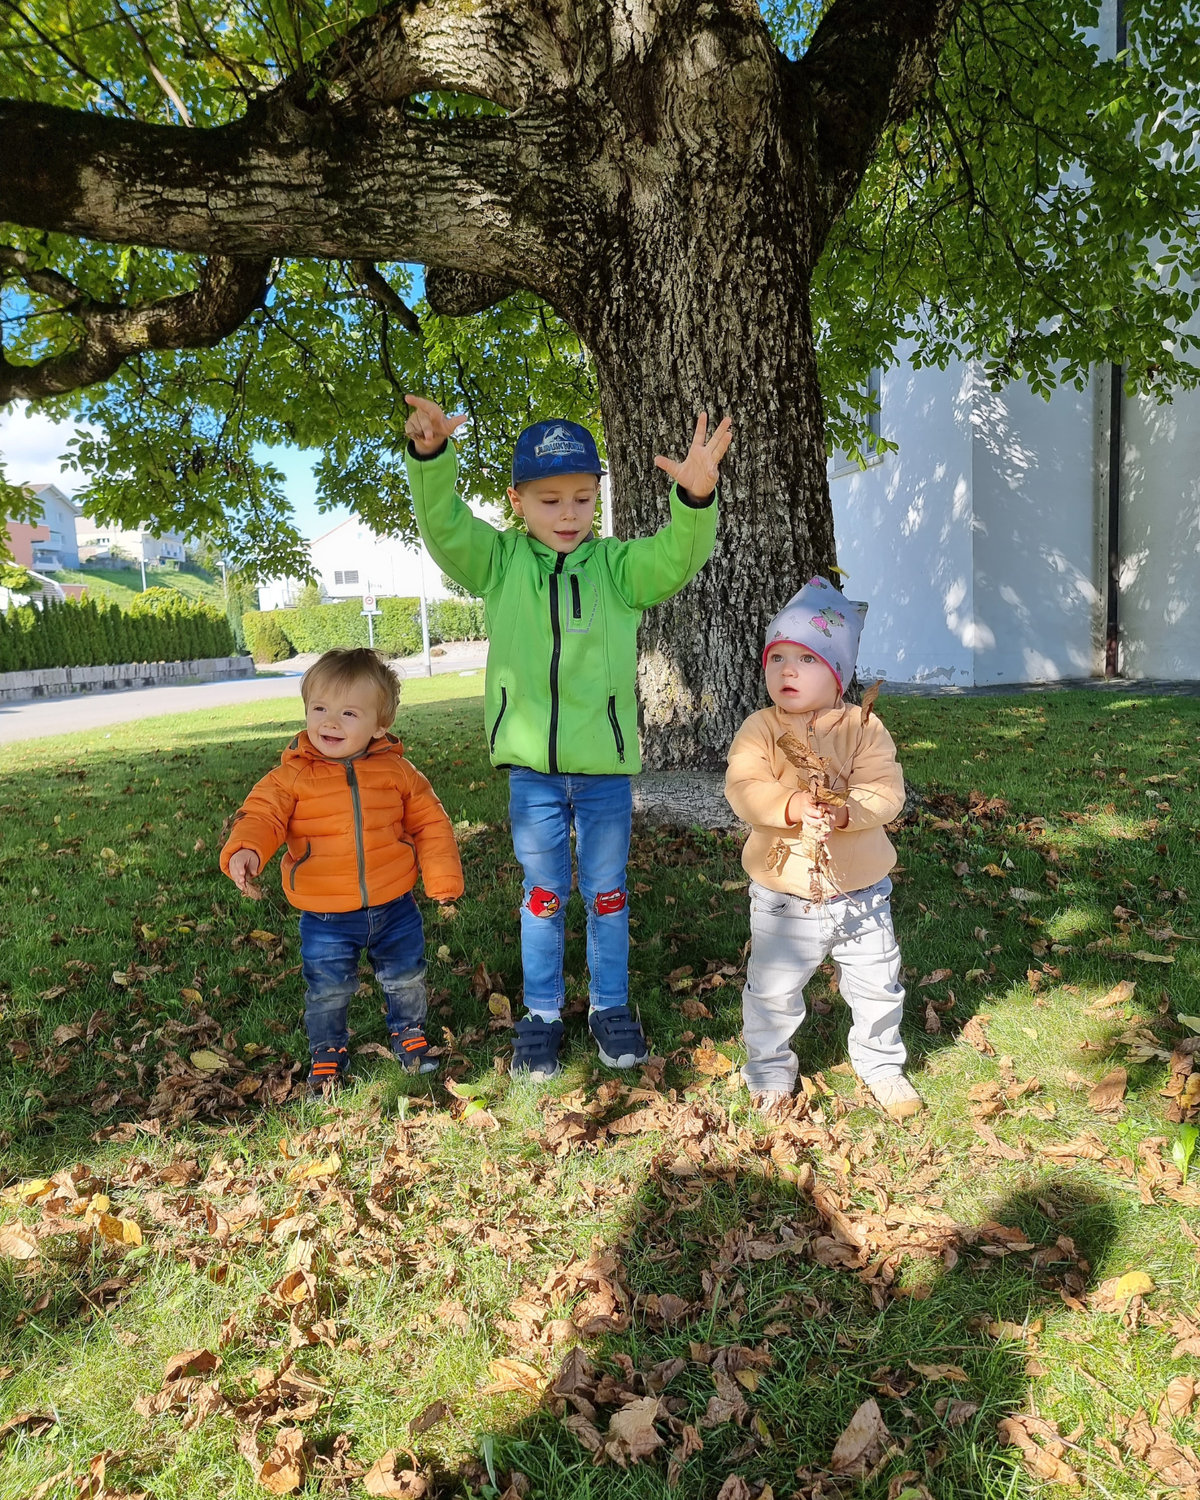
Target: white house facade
[(983, 544), (100, 541), (52, 541), (351, 560)]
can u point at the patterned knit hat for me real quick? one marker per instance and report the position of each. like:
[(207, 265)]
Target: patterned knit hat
[(822, 620)]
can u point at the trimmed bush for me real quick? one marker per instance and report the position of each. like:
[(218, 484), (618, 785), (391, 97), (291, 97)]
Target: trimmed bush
[(82, 633), (456, 620), (265, 639)]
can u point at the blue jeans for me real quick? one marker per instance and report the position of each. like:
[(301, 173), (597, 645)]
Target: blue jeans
[(330, 943), (542, 808)]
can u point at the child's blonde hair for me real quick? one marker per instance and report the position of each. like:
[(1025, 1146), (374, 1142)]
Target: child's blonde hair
[(338, 669)]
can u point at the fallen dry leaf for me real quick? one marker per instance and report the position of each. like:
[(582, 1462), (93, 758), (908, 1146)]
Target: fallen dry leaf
[(430, 1417), (1109, 1092), (16, 1243), (383, 1478), (633, 1430), (709, 1061), (285, 1467), (513, 1375), (955, 1413), (1043, 1463), (974, 1034), (862, 1444), (190, 1362), (939, 1372)]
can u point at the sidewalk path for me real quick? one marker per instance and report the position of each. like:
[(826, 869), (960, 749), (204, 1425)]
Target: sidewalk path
[(41, 717)]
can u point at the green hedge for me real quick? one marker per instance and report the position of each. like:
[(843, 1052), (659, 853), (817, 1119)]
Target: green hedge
[(276, 634), (84, 633)]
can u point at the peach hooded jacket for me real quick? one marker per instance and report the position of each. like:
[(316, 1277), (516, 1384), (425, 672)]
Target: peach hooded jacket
[(356, 830), (760, 781)]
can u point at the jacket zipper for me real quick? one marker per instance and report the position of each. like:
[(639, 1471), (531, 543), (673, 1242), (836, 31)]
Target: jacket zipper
[(616, 728), (555, 654), (576, 602), (359, 848), (499, 716), (299, 862)]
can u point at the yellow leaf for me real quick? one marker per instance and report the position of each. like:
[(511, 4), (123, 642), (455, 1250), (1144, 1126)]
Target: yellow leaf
[(514, 1375), (259, 936), (325, 1168), (443, 953), (1133, 1284), (118, 1231), (206, 1061), (27, 1192), (747, 1378), (193, 997), (108, 854), (1153, 958)]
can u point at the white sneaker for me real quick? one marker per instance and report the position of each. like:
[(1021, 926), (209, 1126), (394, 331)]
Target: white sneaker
[(897, 1096), (770, 1101)]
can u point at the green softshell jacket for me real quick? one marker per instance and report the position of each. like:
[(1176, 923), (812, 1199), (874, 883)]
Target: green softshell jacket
[(562, 627)]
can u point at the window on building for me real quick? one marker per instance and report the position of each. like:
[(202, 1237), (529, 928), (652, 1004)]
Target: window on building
[(349, 576), (842, 462)]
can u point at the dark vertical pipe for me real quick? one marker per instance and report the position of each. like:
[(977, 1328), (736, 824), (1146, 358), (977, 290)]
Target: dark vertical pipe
[(1112, 630), (1116, 408)]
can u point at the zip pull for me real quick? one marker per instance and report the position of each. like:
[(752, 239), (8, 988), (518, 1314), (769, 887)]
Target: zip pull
[(576, 602)]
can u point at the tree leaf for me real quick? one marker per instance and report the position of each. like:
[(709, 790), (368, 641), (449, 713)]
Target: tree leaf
[(862, 1444), (1109, 1092)]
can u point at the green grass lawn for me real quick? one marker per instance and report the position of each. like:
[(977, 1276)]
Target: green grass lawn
[(123, 585), (741, 1285)]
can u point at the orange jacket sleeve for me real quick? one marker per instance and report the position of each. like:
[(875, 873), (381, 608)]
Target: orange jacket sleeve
[(261, 822), (426, 823), (876, 781)]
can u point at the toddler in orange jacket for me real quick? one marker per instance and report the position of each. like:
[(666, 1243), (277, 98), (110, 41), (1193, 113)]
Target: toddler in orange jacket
[(358, 821)]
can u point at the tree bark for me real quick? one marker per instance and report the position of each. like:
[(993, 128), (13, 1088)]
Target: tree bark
[(665, 179)]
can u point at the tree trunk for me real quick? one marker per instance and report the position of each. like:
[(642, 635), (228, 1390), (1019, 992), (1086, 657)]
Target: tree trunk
[(720, 323)]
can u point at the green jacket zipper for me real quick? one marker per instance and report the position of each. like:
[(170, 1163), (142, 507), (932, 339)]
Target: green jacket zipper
[(359, 846), (555, 654), (306, 855), (499, 716), (616, 728), (576, 602)]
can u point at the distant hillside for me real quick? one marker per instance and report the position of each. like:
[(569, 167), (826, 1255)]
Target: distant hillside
[(123, 585)]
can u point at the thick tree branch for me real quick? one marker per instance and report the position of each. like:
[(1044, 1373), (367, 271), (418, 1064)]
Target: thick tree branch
[(228, 292), (456, 294), (489, 195), (508, 51), (868, 64)]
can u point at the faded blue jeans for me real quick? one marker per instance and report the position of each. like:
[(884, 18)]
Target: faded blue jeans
[(542, 808), (393, 938)]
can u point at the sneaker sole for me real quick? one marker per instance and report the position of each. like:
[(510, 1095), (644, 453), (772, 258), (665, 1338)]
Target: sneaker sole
[(536, 1075), (626, 1060)]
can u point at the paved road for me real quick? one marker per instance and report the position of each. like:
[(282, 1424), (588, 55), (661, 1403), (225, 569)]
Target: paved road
[(82, 712)]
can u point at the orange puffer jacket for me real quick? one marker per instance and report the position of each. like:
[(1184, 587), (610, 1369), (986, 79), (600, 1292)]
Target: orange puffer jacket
[(355, 829)]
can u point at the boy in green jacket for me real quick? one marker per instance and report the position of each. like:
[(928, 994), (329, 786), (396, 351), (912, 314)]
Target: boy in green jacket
[(561, 610)]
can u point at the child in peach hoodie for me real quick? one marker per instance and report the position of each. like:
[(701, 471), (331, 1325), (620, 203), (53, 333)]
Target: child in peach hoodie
[(817, 779)]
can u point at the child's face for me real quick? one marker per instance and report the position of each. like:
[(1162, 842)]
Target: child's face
[(342, 723), (558, 510), (798, 681)]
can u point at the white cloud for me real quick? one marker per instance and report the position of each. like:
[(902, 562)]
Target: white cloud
[(30, 448)]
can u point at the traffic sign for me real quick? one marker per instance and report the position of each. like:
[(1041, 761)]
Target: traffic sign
[(369, 605)]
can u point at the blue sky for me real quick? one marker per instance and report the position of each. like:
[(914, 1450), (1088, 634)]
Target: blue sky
[(30, 446)]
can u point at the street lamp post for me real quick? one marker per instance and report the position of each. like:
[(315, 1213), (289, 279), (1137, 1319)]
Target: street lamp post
[(424, 615)]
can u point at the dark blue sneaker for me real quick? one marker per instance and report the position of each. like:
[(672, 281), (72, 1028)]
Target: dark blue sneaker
[(412, 1050), (620, 1038), (536, 1052), (330, 1069)]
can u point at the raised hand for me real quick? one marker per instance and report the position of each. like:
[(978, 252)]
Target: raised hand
[(428, 425), (698, 472)]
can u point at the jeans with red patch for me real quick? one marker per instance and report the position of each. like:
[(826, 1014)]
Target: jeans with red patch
[(543, 809)]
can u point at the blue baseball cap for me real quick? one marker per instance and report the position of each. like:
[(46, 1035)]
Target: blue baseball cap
[(554, 447)]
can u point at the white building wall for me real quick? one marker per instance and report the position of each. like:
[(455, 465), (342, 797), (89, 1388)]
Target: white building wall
[(59, 550), (904, 532), (382, 565), (1160, 538), (1038, 597)]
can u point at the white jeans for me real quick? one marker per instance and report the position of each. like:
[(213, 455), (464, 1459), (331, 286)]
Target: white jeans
[(789, 939)]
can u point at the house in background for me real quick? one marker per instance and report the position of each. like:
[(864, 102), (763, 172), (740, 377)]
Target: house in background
[(49, 546), (106, 542), (351, 560)]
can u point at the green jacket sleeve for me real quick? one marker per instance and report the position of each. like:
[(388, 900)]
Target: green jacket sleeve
[(462, 545), (652, 568)]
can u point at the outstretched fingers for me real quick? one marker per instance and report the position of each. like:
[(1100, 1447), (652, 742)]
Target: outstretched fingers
[(717, 445)]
